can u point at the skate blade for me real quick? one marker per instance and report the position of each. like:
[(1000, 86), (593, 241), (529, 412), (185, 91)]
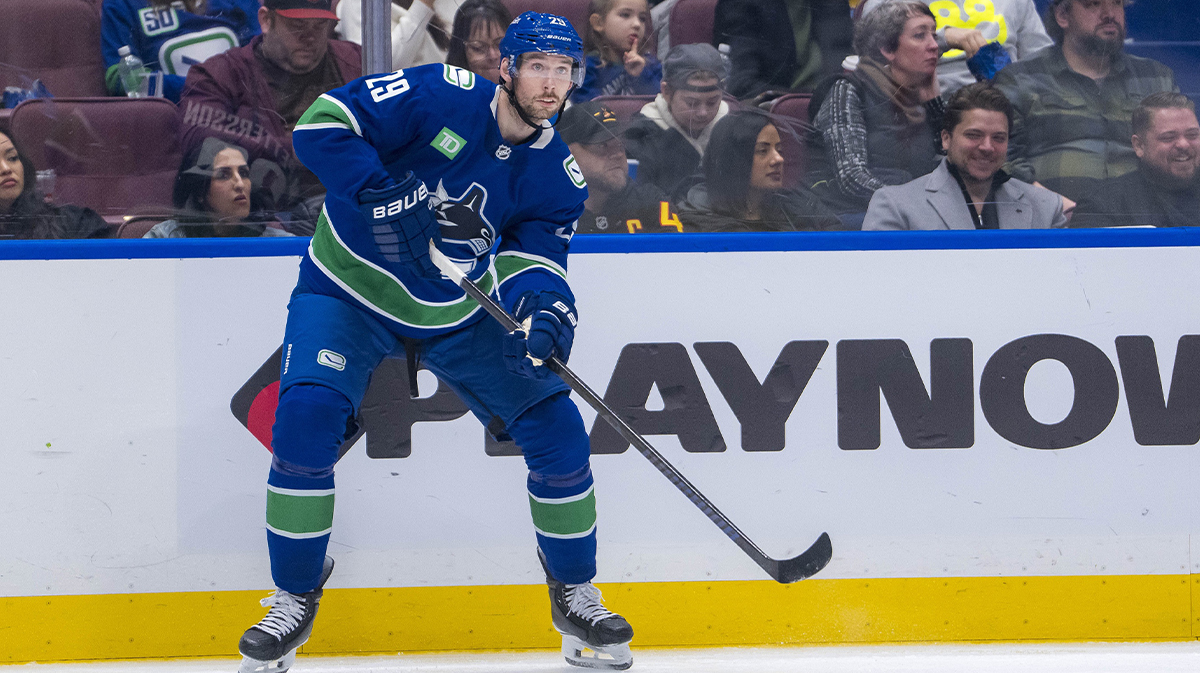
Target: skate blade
[(607, 657), (280, 665)]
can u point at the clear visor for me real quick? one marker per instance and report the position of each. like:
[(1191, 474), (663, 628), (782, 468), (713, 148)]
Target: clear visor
[(548, 66)]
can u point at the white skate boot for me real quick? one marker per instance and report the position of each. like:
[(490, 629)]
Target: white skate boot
[(270, 645), (593, 636)]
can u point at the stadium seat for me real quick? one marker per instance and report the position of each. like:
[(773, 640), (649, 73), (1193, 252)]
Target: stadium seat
[(136, 227), (624, 106), (115, 155), (692, 22), (790, 114), (56, 41)]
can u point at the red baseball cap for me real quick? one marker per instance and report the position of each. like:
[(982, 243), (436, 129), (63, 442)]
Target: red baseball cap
[(303, 9)]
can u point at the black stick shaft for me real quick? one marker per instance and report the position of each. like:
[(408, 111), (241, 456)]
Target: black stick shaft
[(656, 459)]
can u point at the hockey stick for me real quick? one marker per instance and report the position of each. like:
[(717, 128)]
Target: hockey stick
[(800, 567)]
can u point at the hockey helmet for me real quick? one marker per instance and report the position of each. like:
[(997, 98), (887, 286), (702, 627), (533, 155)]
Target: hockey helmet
[(545, 34)]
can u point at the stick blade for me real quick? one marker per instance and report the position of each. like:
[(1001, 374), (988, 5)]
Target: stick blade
[(806, 564)]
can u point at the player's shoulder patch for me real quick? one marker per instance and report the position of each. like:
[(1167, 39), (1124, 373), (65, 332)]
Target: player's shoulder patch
[(573, 171), (459, 77)]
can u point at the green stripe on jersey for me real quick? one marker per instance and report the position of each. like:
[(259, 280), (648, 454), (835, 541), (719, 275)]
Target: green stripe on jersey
[(509, 264), (325, 111), (291, 513), (382, 291), (564, 517)]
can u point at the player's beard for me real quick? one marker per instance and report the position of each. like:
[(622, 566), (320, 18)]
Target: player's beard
[(538, 112)]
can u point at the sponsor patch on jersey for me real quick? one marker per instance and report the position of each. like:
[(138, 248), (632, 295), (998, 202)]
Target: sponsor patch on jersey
[(459, 77), (573, 172), (448, 142), (332, 360)]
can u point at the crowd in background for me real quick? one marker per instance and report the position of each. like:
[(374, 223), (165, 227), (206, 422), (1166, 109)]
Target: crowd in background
[(920, 114)]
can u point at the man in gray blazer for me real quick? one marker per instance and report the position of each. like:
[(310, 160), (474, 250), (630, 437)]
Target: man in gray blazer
[(969, 190)]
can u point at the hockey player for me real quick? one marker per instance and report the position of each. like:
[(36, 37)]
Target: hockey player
[(436, 153)]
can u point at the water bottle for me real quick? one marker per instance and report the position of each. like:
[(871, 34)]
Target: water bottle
[(724, 50), (132, 73)]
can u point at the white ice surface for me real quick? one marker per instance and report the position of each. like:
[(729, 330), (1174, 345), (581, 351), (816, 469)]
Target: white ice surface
[(1050, 658)]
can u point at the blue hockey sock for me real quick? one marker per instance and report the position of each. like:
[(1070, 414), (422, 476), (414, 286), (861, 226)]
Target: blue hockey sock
[(310, 425), (561, 497)]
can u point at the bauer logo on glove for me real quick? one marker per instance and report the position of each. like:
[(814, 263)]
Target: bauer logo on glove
[(400, 205)]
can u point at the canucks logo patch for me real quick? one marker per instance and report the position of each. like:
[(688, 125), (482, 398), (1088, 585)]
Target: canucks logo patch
[(329, 359), (573, 172), (467, 234), (459, 77)]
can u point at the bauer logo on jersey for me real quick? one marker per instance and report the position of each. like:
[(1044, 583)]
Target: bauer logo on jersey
[(332, 360), (466, 232), (574, 173), (449, 143)]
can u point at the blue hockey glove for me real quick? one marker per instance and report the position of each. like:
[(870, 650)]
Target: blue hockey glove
[(402, 222), (549, 321)]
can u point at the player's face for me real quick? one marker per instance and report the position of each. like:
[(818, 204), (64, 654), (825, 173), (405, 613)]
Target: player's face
[(542, 84), (766, 173), (229, 192), (979, 144), (12, 174), (1098, 22), (483, 50), (1171, 146), (604, 165), (916, 53), (693, 109), (296, 45)]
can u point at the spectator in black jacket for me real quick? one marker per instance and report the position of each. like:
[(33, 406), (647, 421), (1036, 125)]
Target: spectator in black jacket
[(1164, 190), (780, 46), (24, 213), (615, 204), (742, 185), (669, 135)]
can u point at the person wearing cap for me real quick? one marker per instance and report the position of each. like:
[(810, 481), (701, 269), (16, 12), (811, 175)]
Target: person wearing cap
[(434, 168), (253, 96), (615, 203), (669, 135), (1074, 101)]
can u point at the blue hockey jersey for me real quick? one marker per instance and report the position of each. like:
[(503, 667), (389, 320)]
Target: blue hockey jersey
[(172, 39), (507, 212)]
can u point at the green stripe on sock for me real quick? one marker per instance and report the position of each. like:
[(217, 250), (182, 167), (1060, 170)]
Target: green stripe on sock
[(299, 514), (564, 519)]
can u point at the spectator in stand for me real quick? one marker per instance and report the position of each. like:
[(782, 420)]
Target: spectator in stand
[(669, 135), (615, 204), (969, 189), (741, 188), (1015, 24), (475, 38), (1074, 101), (24, 213), (881, 124), (618, 61), (173, 35), (213, 196), (253, 96), (419, 36), (781, 46), (1164, 190)]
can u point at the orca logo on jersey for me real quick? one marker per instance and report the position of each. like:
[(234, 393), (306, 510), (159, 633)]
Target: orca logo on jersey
[(467, 234)]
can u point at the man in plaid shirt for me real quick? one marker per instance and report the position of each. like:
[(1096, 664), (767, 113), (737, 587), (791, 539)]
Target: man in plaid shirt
[(1074, 100)]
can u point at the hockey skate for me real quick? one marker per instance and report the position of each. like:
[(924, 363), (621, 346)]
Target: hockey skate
[(270, 645), (593, 636)]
